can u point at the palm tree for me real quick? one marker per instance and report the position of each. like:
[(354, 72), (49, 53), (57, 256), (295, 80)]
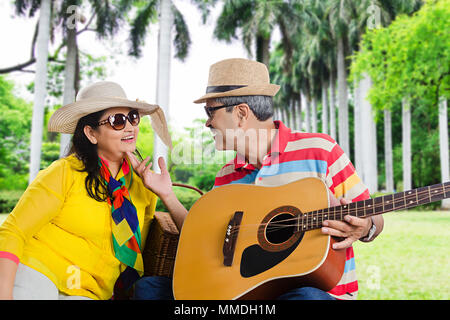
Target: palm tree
[(256, 19), (388, 157), (365, 142), (368, 134), (369, 14), (65, 13), (406, 144), (40, 90), (169, 17), (163, 73), (376, 14), (443, 146), (70, 70), (339, 15)]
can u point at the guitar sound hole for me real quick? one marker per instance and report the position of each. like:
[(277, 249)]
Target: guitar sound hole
[(280, 228)]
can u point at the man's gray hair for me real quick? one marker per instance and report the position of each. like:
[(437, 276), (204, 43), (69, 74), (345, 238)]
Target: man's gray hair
[(261, 106)]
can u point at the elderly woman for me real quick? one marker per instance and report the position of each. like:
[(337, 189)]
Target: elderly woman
[(83, 221)]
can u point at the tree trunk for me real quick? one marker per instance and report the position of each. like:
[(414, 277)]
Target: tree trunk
[(324, 106), (406, 144), (301, 105), (40, 88), (368, 134), (443, 146), (288, 116), (275, 114), (388, 158), (307, 114), (263, 50), (299, 115), (358, 161), (333, 106), (163, 74), (344, 141), (314, 114), (69, 83), (294, 114), (284, 116)]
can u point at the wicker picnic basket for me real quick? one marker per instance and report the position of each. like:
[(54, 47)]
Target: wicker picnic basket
[(161, 244)]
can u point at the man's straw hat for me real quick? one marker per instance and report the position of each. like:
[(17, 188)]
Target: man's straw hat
[(100, 96), (238, 77)]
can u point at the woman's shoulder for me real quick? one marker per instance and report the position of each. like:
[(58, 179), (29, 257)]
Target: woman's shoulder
[(72, 161), (61, 168)]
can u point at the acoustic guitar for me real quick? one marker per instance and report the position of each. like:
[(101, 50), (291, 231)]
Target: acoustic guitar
[(256, 242)]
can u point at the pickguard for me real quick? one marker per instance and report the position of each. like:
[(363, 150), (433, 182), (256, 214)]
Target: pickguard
[(256, 260)]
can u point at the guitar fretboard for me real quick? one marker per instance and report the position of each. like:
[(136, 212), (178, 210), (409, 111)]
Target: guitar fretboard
[(370, 207)]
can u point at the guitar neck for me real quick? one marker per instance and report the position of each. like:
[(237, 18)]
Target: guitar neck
[(371, 207)]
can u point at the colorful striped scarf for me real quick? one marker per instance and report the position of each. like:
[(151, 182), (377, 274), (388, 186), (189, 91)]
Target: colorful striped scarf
[(126, 234)]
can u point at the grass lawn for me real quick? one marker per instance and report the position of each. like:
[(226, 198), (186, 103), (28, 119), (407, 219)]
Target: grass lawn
[(409, 260)]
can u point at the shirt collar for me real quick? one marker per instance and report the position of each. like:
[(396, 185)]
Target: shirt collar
[(281, 138), (278, 146)]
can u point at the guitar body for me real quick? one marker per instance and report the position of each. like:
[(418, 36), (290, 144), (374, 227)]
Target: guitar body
[(266, 260)]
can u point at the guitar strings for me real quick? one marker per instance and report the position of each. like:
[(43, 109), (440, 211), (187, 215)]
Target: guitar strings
[(310, 221)]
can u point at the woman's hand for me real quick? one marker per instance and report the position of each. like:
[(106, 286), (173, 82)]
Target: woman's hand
[(351, 230), (159, 183)]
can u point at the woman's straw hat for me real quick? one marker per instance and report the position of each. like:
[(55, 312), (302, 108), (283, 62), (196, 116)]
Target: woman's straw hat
[(100, 96), (238, 77)]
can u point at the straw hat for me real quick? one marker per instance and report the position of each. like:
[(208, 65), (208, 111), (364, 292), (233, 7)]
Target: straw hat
[(100, 96), (238, 77)]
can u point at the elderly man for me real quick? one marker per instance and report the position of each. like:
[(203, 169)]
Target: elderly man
[(239, 106)]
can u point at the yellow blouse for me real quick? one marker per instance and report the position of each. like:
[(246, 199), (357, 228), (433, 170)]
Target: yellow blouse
[(58, 230)]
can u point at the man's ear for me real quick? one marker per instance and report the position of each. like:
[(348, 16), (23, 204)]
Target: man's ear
[(90, 134), (243, 112)]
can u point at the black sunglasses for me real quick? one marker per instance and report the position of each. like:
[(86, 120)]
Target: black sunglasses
[(118, 121), (209, 110)]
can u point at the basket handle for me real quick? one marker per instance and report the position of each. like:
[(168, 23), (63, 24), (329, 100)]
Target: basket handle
[(187, 186)]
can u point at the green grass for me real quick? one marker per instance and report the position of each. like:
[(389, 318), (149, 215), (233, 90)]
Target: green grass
[(409, 260)]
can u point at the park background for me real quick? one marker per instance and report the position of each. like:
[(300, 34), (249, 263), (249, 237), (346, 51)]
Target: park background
[(373, 74)]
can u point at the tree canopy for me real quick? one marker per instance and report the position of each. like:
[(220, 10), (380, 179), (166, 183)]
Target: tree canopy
[(410, 58)]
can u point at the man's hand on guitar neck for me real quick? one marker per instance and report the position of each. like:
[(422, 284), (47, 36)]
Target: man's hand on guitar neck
[(350, 230)]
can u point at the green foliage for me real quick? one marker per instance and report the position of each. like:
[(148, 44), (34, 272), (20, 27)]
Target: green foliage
[(15, 126), (410, 58), (49, 153), (194, 159), (9, 199), (187, 198), (147, 14), (145, 138)]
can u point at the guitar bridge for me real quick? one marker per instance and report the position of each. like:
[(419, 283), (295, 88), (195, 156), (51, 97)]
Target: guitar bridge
[(231, 235)]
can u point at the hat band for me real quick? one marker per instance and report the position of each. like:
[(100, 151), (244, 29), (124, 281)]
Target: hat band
[(211, 89)]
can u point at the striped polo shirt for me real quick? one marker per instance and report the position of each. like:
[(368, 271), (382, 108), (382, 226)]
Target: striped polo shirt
[(296, 155)]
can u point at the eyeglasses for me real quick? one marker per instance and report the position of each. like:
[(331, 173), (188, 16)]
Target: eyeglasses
[(118, 121), (209, 110)]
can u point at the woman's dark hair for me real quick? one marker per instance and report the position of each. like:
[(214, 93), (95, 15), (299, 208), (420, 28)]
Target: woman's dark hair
[(87, 153)]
